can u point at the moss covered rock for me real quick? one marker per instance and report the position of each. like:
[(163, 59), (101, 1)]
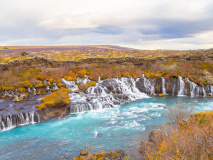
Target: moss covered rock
[(55, 99)]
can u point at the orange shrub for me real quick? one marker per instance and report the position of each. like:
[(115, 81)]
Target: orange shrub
[(55, 99)]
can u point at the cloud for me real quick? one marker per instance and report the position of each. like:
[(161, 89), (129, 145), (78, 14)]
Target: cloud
[(143, 24)]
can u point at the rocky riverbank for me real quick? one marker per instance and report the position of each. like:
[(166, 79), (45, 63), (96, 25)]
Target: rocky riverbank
[(106, 93), (113, 155), (98, 77)]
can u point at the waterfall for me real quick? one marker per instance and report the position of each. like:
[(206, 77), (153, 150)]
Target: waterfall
[(34, 91), (173, 89), (211, 88), (9, 121), (127, 86), (70, 84), (99, 79), (6, 93), (55, 86), (28, 90), (193, 88), (84, 107), (83, 80), (197, 91), (105, 94), (150, 87), (48, 89), (163, 86), (204, 91), (182, 87), (97, 90), (12, 121), (115, 91)]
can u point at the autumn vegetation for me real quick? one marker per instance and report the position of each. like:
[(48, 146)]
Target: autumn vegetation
[(39, 67), (190, 139), (23, 67), (113, 155), (55, 99)]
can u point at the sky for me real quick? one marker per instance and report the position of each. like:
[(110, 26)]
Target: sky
[(140, 24)]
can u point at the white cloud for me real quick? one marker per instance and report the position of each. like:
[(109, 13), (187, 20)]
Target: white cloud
[(139, 23)]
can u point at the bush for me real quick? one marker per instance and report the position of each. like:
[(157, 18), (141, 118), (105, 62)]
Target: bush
[(192, 140), (55, 99), (178, 112)]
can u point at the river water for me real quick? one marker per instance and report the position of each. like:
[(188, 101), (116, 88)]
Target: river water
[(99, 130)]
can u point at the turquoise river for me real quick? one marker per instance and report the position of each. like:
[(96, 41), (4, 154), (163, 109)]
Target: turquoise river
[(100, 130)]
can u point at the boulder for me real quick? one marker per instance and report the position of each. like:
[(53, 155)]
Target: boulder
[(110, 84), (84, 152), (156, 136)]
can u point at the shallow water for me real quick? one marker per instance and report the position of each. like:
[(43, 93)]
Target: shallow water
[(101, 130)]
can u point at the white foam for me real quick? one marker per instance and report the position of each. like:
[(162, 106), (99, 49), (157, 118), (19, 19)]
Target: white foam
[(156, 114)]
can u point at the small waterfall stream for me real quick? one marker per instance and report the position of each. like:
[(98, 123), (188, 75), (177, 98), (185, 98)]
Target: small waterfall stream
[(12, 121), (163, 86), (204, 91), (84, 107), (211, 88), (70, 84), (182, 88), (194, 89)]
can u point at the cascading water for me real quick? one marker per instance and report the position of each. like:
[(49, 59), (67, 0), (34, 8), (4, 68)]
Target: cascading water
[(70, 84), (48, 89), (77, 108), (127, 86), (194, 91), (55, 86), (120, 90), (173, 89), (211, 88), (105, 94), (197, 91), (204, 91), (83, 80), (163, 86), (12, 121), (149, 85), (182, 90)]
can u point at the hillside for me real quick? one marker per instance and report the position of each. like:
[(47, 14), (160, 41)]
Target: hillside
[(23, 67)]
